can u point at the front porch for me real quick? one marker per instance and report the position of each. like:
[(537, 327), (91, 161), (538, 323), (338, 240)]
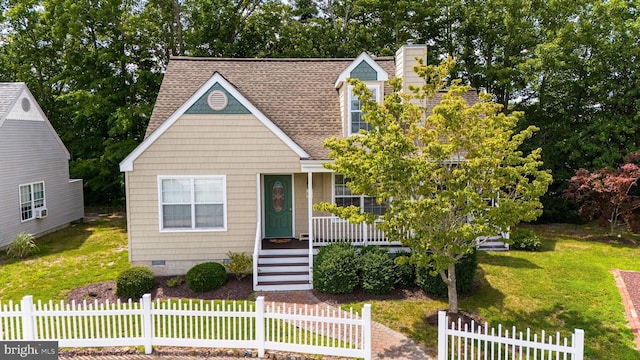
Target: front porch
[(289, 230), (287, 263)]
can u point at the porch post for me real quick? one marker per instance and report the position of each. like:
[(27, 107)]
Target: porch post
[(310, 218), (365, 233), (257, 246)]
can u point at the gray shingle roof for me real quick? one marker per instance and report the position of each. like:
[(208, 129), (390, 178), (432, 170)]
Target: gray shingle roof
[(297, 95), (8, 94)]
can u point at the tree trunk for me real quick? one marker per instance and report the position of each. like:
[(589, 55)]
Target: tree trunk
[(177, 28), (614, 220), (450, 280)]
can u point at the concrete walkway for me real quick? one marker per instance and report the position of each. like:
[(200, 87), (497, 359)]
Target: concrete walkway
[(386, 343)]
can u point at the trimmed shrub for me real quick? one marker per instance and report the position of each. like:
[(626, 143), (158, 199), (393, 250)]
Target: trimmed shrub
[(23, 246), (206, 277), (240, 264), (377, 272), (371, 248), (525, 239), (175, 281), (465, 273), (405, 272), (336, 269), (134, 282)]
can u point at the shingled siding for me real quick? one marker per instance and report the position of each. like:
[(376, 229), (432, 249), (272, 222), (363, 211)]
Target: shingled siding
[(192, 147), (364, 72), (233, 106)]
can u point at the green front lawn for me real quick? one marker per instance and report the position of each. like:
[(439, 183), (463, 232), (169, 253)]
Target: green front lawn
[(567, 285), (70, 258)]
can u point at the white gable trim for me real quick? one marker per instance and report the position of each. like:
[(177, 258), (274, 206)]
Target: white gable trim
[(382, 75), (34, 114), (315, 166), (127, 163)]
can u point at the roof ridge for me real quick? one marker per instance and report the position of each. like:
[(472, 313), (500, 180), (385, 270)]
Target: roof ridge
[(16, 83)]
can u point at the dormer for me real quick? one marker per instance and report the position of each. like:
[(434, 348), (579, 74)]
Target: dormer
[(363, 68)]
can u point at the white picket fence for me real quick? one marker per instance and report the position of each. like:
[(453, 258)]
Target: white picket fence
[(474, 341), (306, 329)]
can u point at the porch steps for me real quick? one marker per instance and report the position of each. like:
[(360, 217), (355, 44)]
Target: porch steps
[(493, 243), (496, 247), (283, 269)]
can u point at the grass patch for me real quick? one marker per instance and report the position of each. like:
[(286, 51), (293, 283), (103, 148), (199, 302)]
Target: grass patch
[(73, 257), (567, 285)]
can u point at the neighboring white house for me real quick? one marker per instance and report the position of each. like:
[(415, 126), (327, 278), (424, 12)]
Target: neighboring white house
[(37, 194)]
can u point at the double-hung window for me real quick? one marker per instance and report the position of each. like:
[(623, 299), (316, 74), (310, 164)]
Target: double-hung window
[(356, 122), (192, 203), (344, 197), (31, 198)]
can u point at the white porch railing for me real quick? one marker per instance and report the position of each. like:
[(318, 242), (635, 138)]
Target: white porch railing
[(458, 342), (331, 229), (306, 329)]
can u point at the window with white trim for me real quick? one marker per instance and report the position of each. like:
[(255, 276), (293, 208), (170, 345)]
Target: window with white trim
[(192, 202), (31, 198), (344, 197), (356, 122)]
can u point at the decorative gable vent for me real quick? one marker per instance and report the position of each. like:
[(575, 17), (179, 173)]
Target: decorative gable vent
[(26, 104), (217, 100)]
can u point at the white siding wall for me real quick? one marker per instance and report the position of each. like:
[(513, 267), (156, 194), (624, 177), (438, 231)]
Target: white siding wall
[(29, 152), (237, 146)]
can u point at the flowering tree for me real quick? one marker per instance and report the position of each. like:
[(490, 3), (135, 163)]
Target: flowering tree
[(438, 170), (608, 196)]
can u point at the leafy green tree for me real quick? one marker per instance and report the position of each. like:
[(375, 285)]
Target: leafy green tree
[(584, 84), (28, 50), (437, 25), (496, 36), (108, 86), (439, 170), (217, 27)]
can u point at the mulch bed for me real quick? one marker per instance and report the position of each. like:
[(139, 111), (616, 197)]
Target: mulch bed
[(361, 296), (106, 291), (233, 290)]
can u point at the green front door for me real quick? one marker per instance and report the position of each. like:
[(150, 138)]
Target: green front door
[(278, 209)]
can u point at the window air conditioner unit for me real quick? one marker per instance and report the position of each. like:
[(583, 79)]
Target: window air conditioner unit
[(41, 213)]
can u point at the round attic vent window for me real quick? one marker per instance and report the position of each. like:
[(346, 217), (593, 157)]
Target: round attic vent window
[(26, 104), (217, 100)]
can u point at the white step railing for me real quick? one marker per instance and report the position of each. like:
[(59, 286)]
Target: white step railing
[(306, 329)]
